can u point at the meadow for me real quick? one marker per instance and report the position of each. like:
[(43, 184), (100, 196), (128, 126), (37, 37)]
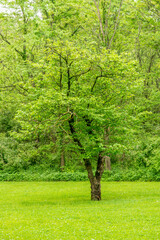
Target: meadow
[(63, 210)]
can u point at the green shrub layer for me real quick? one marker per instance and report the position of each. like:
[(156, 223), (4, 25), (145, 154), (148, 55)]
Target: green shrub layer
[(117, 174)]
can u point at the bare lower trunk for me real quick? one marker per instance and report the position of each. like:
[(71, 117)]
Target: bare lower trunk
[(96, 190), (95, 180)]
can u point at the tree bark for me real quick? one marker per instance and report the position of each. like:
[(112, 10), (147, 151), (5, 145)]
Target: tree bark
[(95, 180), (107, 163), (95, 190)]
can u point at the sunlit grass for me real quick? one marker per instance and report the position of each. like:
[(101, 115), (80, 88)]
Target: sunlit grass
[(63, 210)]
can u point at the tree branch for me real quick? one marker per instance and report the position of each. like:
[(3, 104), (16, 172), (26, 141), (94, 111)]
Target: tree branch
[(100, 167), (80, 74), (5, 40), (100, 76), (100, 21), (138, 47), (74, 32), (116, 24), (76, 140), (151, 62)]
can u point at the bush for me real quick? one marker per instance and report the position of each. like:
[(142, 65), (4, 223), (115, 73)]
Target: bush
[(117, 174), (43, 176)]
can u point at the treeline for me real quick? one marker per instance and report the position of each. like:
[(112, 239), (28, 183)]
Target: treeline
[(79, 81)]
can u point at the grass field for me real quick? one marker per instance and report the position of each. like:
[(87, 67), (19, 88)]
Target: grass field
[(63, 210)]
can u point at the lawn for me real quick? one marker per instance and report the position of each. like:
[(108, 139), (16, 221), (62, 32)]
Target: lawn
[(63, 210)]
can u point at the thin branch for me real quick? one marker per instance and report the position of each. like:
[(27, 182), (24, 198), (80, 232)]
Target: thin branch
[(106, 21), (95, 83), (60, 72), (5, 40), (116, 24), (109, 9), (138, 46), (80, 74), (100, 21), (74, 32), (100, 76), (151, 62), (59, 54)]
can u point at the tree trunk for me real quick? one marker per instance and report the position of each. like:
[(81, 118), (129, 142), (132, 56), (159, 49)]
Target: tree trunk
[(107, 163), (62, 161), (62, 155), (95, 190), (95, 180)]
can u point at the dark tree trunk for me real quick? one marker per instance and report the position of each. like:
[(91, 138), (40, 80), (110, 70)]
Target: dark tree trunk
[(95, 181), (95, 190)]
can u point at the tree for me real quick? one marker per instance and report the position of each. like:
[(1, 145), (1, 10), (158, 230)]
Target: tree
[(78, 92)]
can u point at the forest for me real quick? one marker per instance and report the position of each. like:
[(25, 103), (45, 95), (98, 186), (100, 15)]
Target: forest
[(80, 90)]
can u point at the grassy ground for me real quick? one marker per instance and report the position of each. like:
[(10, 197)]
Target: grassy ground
[(63, 210)]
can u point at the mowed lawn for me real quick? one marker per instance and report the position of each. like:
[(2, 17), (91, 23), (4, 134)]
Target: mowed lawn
[(63, 210)]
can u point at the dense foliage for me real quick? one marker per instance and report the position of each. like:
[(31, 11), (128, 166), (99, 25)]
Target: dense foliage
[(80, 80)]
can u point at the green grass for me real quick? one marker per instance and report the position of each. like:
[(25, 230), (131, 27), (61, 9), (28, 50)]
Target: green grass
[(63, 210)]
